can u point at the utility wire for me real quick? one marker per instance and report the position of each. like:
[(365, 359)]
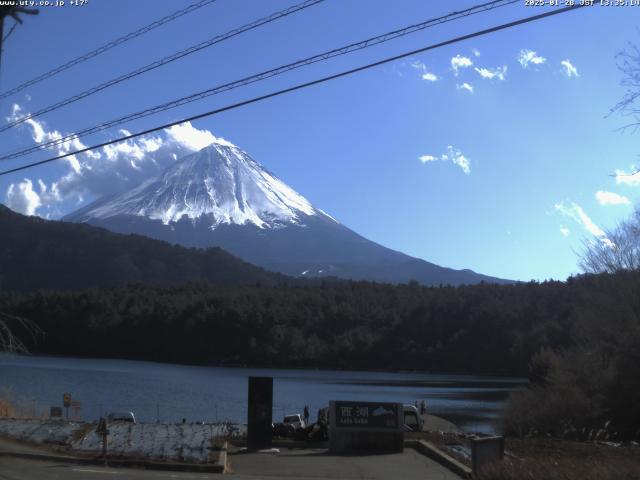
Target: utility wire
[(301, 86), (106, 47), (166, 60), (267, 74)]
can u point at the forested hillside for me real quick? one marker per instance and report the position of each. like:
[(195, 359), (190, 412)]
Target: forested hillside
[(36, 253), (480, 329)]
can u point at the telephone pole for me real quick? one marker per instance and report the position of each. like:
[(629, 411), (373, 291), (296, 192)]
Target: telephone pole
[(13, 12)]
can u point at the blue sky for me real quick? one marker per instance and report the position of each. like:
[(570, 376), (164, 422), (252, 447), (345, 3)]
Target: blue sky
[(503, 179)]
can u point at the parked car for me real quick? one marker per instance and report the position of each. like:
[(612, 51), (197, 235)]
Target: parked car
[(412, 419), (295, 420), (121, 417)]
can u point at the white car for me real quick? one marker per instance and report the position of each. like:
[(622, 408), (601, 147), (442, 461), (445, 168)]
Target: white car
[(412, 419), (295, 420)]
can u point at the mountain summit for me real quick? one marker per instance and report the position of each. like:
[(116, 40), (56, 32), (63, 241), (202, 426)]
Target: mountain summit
[(220, 196), (220, 182)]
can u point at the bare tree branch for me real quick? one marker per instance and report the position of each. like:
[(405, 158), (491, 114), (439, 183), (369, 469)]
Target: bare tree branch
[(622, 253), (9, 340)]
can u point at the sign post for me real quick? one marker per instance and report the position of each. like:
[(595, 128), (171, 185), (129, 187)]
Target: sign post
[(365, 426), (66, 402), (103, 430)]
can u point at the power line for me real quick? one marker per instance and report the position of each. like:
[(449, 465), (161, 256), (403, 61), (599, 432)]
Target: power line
[(106, 47), (166, 60), (301, 86), (267, 74)]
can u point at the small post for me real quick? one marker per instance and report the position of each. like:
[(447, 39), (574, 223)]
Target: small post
[(104, 445), (104, 431), (66, 402)]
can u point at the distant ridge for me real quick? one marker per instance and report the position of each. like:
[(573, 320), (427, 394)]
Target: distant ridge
[(42, 254)]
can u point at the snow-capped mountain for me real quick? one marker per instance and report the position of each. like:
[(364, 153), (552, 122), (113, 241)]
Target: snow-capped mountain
[(220, 196), (220, 182)]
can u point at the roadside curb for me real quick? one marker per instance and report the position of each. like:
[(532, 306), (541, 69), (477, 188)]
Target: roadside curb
[(285, 444), (429, 450), (129, 463)]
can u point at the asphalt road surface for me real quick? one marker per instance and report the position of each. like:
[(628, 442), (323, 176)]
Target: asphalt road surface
[(21, 469), (319, 465), (294, 464)]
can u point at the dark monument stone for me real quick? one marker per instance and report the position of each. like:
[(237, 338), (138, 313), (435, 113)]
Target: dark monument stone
[(259, 413)]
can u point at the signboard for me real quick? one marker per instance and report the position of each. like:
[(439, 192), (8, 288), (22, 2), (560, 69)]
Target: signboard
[(55, 412), (368, 427), (66, 400), (259, 413), (76, 409), (370, 416)]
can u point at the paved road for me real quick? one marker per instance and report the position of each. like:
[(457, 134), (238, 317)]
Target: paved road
[(319, 465), (294, 464), (433, 423), (21, 469)]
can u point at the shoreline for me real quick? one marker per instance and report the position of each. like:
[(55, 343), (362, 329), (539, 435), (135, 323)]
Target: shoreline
[(518, 381)]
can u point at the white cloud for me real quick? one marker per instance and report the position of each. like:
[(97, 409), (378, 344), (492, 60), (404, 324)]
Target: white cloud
[(22, 198), (610, 198), (565, 231), (490, 74), (459, 62), (453, 155), (193, 139), (629, 179), (465, 86), (476, 52), (526, 57), (109, 170), (426, 74), (576, 213), (569, 69)]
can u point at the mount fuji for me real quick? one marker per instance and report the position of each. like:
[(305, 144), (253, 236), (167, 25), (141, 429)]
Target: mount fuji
[(220, 196)]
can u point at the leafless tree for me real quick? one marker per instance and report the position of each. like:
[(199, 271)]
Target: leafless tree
[(629, 65), (9, 325), (622, 252)]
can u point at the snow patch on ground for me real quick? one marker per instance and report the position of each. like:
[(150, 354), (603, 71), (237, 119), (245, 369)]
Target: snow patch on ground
[(191, 442)]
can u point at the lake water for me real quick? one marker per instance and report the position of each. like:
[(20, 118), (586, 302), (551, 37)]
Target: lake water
[(170, 392)]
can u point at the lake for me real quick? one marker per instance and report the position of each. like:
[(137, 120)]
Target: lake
[(169, 392)]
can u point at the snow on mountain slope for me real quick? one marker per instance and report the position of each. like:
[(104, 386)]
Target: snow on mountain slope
[(221, 182)]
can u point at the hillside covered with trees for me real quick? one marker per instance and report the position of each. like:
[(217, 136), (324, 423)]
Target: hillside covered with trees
[(36, 253), (480, 329)]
